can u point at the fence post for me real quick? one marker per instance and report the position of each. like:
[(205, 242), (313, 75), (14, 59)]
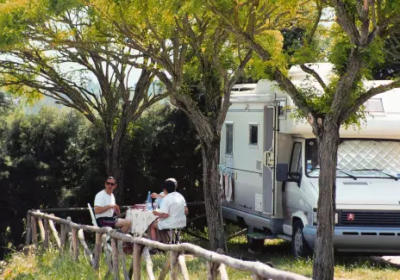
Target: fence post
[(174, 261), (63, 233), (75, 244), (86, 249), (165, 269), (182, 265), (137, 255), (222, 272), (55, 233), (34, 231), (28, 230), (46, 233), (41, 228), (107, 252), (114, 248), (122, 259), (69, 231), (211, 271), (97, 252), (149, 263)]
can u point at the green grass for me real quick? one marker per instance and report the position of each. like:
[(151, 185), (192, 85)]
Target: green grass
[(49, 265)]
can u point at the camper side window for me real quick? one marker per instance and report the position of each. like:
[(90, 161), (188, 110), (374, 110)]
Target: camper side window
[(229, 139), (295, 163), (253, 134)]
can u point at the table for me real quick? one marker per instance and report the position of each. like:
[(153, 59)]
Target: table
[(141, 220)]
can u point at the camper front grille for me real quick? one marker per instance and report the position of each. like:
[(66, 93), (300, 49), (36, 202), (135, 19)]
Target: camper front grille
[(369, 218)]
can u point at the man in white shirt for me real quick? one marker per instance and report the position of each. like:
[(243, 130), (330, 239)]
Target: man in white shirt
[(172, 211), (105, 208), (159, 197)]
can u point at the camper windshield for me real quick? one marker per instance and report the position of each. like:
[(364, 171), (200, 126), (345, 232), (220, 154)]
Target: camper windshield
[(361, 158)]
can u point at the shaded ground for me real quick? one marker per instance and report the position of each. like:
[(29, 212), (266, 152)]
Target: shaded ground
[(347, 266)]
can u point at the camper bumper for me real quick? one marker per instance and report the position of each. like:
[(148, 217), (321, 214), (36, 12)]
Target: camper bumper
[(360, 239)]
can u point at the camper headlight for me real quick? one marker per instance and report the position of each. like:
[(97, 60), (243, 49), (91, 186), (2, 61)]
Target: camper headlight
[(315, 218)]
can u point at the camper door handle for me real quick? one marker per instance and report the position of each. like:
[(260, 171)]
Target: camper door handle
[(265, 158), (268, 159)]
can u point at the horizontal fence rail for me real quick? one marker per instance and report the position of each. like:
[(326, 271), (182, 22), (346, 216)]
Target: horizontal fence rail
[(115, 257)]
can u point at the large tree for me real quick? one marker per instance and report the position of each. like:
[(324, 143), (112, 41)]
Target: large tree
[(188, 46), (54, 49), (361, 26)]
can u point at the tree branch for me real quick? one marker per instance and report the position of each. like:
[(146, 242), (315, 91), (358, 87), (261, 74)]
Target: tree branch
[(315, 75)]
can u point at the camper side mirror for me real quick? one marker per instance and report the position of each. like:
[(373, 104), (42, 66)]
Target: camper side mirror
[(283, 174), (282, 170)]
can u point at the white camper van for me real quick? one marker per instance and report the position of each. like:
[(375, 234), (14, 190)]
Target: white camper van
[(260, 139)]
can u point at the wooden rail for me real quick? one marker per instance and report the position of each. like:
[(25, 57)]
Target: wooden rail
[(115, 258)]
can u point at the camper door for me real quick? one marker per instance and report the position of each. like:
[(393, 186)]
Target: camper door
[(270, 122)]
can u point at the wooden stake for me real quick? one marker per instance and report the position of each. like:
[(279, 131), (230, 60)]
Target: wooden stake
[(69, 231), (108, 253), (34, 231), (28, 233), (211, 271), (182, 266), (149, 263), (63, 236), (174, 265), (75, 247), (55, 234), (122, 260), (97, 252), (114, 253), (86, 249), (46, 233), (41, 228), (165, 269), (137, 255), (222, 272)]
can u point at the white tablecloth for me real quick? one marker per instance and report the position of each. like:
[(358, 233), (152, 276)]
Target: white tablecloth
[(140, 221)]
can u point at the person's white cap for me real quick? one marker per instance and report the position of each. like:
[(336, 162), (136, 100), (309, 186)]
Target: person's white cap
[(173, 180)]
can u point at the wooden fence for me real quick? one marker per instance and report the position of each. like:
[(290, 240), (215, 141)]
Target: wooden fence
[(74, 234)]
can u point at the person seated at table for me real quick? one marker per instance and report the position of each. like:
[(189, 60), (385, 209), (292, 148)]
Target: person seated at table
[(159, 197), (171, 214), (105, 208)]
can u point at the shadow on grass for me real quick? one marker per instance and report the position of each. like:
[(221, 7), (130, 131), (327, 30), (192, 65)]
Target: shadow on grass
[(278, 252)]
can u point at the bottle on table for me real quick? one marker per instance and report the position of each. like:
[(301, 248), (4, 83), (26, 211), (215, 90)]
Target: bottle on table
[(149, 202)]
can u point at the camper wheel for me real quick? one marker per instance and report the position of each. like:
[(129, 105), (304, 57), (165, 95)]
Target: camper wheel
[(300, 248)]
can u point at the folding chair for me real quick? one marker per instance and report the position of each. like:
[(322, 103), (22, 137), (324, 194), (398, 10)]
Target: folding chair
[(94, 222)]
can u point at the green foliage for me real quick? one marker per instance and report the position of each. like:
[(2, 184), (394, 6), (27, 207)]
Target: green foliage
[(372, 56), (55, 159)]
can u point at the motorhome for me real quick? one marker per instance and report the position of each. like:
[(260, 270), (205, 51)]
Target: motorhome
[(261, 139)]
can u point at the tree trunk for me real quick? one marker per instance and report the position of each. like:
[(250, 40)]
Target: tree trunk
[(212, 196), (114, 164), (328, 142)]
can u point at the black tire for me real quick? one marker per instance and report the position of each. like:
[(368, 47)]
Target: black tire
[(300, 247)]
